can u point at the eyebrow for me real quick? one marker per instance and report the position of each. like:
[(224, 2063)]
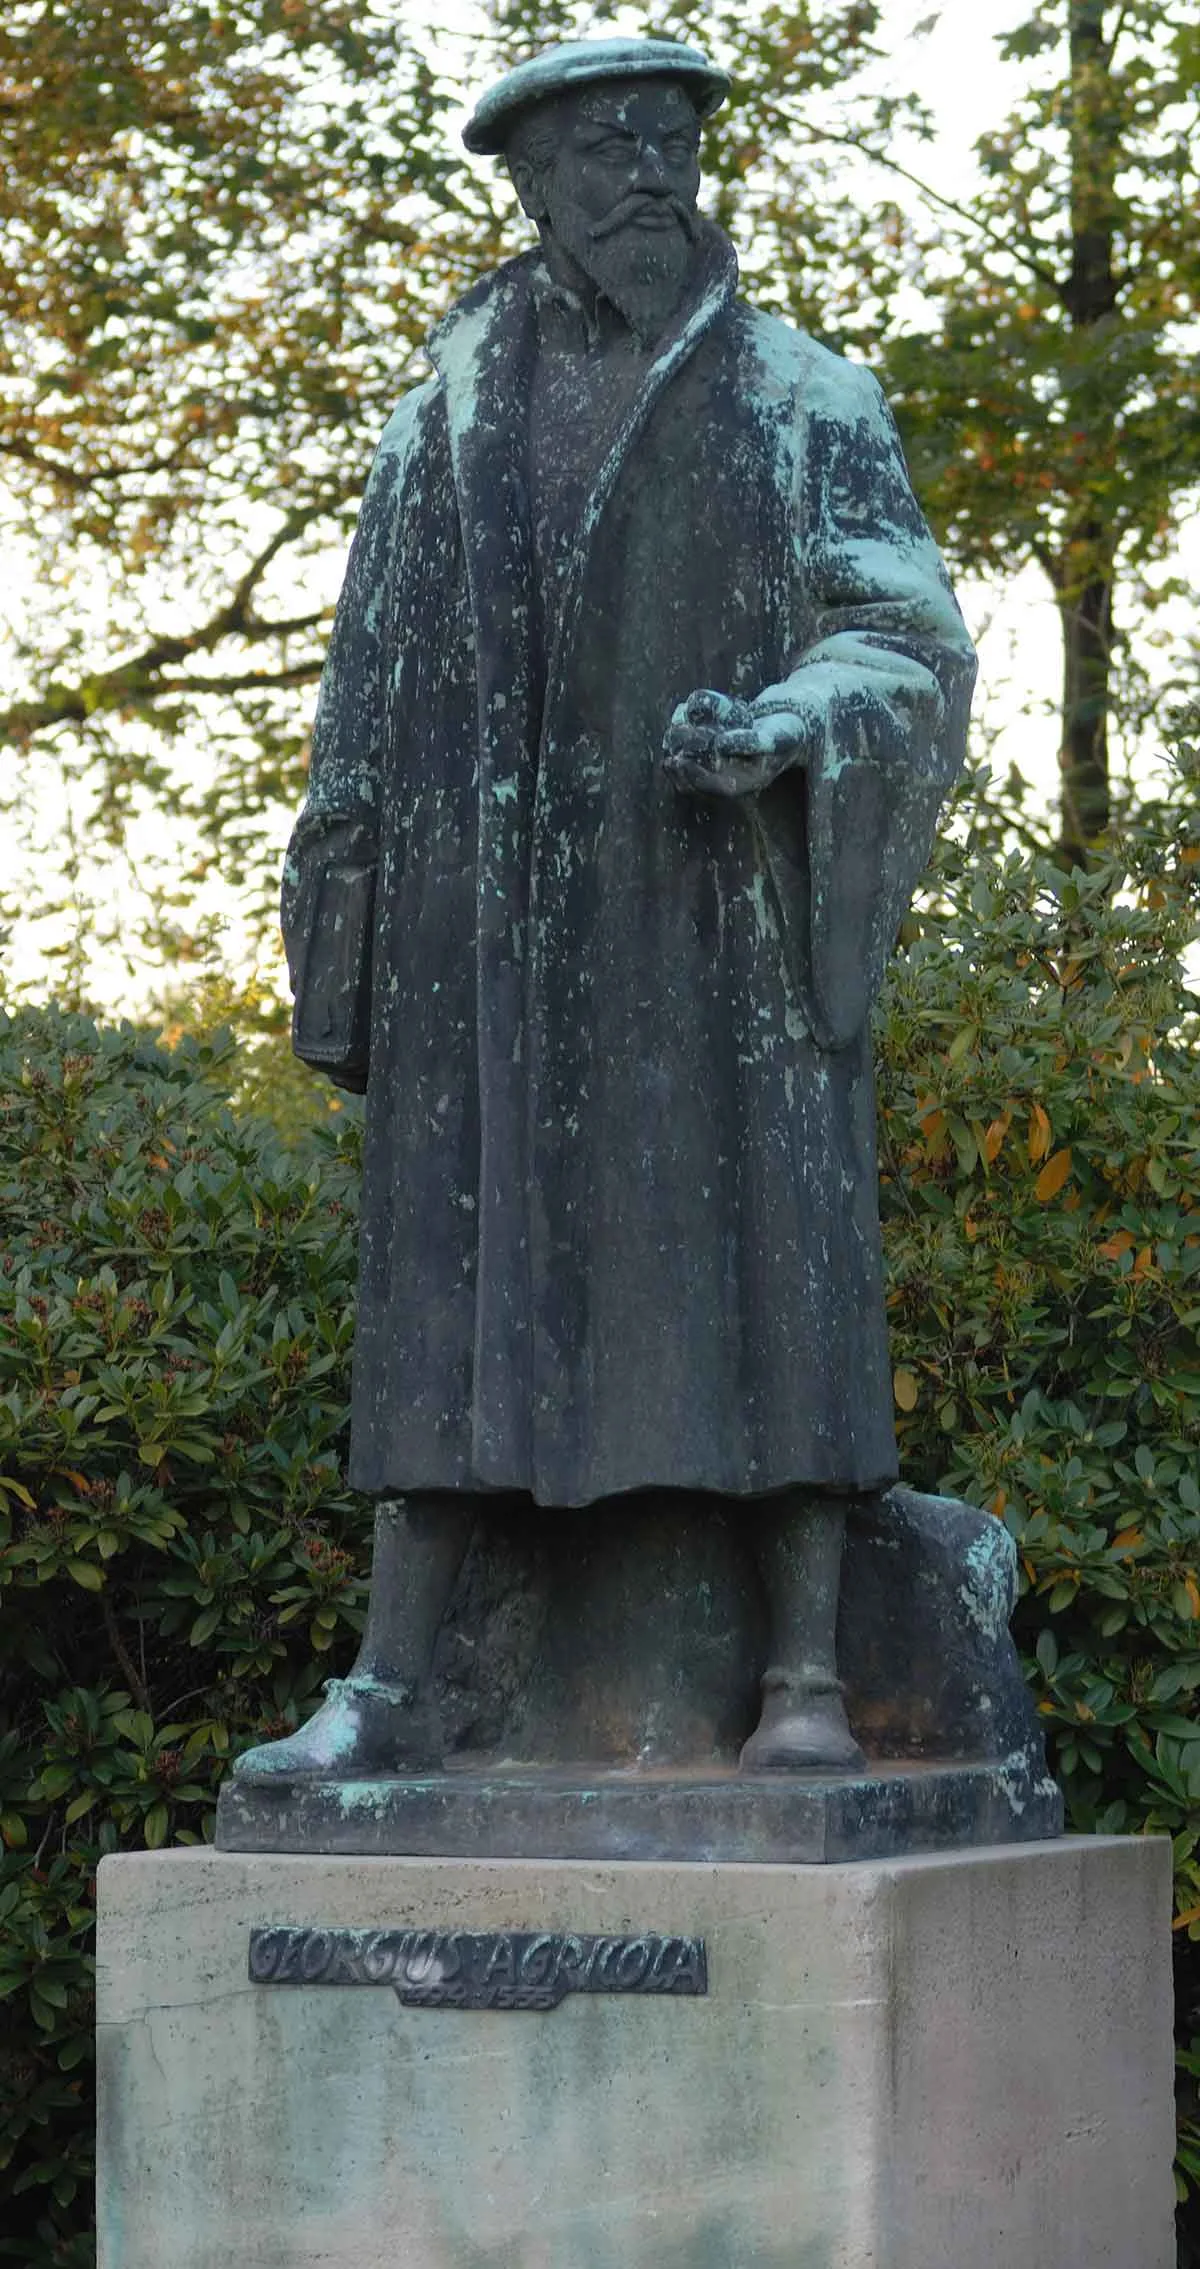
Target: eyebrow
[(679, 125)]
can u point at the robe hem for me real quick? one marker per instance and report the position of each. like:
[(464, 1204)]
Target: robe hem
[(874, 1483)]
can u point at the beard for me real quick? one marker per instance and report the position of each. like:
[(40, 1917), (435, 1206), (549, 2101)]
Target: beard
[(641, 271)]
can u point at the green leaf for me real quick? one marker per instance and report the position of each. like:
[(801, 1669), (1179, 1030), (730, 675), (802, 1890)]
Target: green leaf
[(55, 1781), (86, 1574)]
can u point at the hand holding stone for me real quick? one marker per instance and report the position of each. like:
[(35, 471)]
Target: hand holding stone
[(718, 746)]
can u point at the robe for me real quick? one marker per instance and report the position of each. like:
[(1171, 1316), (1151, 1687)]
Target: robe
[(620, 1205)]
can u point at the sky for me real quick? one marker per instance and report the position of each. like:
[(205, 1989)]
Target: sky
[(950, 52)]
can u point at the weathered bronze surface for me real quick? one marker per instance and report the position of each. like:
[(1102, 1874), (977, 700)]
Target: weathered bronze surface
[(644, 691), (539, 1812)]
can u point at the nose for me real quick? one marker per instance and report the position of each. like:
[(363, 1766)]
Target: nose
[(649, 171)]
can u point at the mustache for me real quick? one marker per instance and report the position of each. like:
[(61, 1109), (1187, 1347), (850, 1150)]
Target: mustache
[(629, 208)]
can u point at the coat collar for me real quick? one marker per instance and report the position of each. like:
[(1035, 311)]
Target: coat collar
[(483, 351), (463, 346)]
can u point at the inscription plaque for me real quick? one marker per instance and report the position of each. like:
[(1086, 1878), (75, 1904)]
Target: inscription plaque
[(479, 1969)]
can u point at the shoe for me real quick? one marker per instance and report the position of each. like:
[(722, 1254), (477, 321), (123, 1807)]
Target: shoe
[(802, 1729), (363, 1727)]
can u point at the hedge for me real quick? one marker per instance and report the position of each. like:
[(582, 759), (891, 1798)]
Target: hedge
[(179, 1557), (182, 1566), (1040, 1153)]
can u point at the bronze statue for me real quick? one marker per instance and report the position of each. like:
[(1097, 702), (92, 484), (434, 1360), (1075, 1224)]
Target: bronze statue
[(645, 687)]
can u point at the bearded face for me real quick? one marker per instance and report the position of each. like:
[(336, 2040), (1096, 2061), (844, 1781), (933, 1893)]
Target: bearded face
[(612, 181)]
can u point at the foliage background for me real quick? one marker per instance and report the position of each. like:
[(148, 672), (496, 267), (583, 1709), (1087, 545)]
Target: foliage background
[(181, 1565), (178, 1554), (225, 231)]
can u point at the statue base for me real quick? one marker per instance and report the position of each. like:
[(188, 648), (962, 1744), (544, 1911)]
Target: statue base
[(949, 2062), (543, 1813), (598, 1676)]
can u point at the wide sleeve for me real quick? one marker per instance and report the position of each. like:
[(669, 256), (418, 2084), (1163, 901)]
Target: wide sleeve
[(885, 690), (328, 888)]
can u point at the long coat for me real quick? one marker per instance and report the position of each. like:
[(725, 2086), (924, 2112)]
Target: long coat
[(620, 1214)]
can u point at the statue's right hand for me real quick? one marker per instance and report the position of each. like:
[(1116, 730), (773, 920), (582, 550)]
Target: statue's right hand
[(716, 745)]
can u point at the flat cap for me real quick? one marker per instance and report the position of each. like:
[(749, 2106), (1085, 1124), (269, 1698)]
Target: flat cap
[(573, 64)]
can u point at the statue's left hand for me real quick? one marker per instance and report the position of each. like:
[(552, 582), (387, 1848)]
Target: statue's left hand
[(718, 746)]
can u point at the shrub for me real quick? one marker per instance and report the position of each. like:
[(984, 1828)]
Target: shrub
[(181, 1560), (1040, 1155), (177, 1551)]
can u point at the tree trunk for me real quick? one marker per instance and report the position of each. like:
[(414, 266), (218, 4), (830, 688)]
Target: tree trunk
[(1084, 580), (1085, 612)]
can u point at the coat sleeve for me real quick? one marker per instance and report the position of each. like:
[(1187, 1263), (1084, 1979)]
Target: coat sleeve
[(329, 870), (885, 691)]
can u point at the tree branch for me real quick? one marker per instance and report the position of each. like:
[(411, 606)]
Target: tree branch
[(1049, 565), (243, 681), (1114, 36), (70, 475), (1030, 838), (293, 627), (137, 1685), (236, 616), (981, 227), (141, 677)]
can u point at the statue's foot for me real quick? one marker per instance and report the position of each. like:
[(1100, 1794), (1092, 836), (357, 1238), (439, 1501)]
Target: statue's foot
[(362, 1727), (802, 1732)]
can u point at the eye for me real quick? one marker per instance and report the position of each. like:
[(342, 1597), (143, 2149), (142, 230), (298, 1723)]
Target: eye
[(607, 146)]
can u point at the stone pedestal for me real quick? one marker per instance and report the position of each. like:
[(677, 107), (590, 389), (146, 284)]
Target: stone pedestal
[(958, 2061)]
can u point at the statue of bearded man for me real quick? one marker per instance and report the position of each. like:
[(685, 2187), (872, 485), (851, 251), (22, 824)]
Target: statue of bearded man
[(644, 690)]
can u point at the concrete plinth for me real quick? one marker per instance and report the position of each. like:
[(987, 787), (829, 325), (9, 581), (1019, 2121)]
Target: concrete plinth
[(959, 2061)]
